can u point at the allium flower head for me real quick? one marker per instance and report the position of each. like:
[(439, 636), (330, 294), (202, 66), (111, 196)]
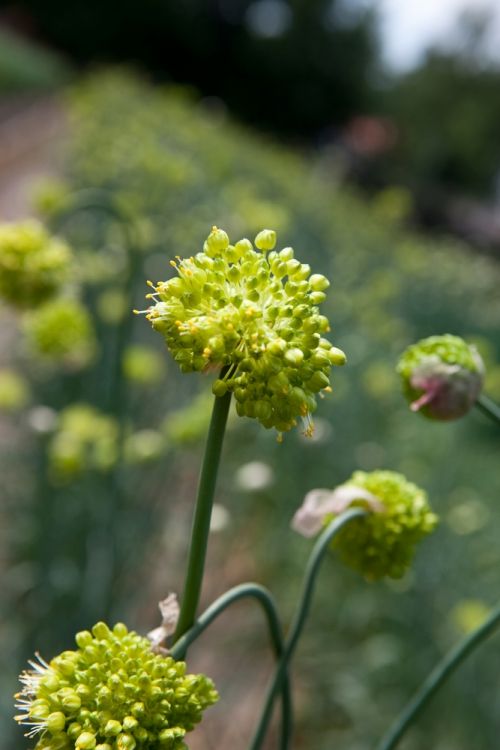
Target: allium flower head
[(33, 265), (442, 376), (253, 311), (382, 543), (112, 693), (85, 440), (61, 330)]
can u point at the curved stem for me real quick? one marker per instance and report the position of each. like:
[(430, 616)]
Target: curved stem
[(488, 407), (265, 599), (202, 514), (89, 199), (436, 678), (300, 617)]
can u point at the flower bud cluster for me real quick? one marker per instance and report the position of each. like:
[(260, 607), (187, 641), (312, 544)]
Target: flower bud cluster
[(33, 265), (85, 440), (254, 312), (382, 543), (442, 376), (112, 693), (61, 330)]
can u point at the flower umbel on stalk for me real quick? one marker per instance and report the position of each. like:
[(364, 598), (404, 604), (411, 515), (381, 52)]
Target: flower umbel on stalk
[(383, 542), (253, 311), (442, 376), (112, 693)]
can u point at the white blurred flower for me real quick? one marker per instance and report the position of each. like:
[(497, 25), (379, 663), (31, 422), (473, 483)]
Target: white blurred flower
[(42, 419), (220, 518), (254, 476)]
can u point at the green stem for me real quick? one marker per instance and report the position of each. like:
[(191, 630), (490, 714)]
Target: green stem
[(436, 678), (488, 407), (298, 622), (112, 391), (202, 514), (265, 599), (89, 199)]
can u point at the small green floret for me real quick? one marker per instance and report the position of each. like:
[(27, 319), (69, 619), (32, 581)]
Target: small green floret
[(254, 313), (33, 265), (112, 693), (383, 543)]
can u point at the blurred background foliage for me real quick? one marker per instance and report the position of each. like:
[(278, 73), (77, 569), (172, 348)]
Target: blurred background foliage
[(99, 455), (100, 442), (310, 71)]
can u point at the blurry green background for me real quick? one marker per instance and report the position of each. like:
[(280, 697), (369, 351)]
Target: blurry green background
[(85, 537)]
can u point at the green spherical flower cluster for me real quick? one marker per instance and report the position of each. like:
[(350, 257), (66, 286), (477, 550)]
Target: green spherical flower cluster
[(383, 542), (254, 312), (33, 265), (112, 693), (442, 376), (85, 440), (61, 330)]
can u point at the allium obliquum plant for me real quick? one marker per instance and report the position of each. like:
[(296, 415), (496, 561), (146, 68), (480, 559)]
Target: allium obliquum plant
[(249, 316)]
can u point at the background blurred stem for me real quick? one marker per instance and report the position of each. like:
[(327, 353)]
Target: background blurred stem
[(436, 678), (488, 407), (203, 513), (265, 599), (312, 569), (103, 552)]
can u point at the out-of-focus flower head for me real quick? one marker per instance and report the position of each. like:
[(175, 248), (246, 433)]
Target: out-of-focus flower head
[(253, 311), (383, 542), (442, 376), (144, 446), (85, 440), (61, 330), (14, 391), (33, 264), (51, 196), (189, 424), (143, 364), (112, 693)]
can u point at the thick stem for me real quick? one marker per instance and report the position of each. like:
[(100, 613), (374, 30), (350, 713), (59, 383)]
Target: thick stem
[(436, 678), (265, 599), (298, 622), (202, 515), (488, 407)]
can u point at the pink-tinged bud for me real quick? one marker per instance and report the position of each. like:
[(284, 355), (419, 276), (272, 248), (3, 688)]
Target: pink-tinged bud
[(442, 377)]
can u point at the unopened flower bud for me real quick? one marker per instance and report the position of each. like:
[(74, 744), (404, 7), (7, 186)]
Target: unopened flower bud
[(217, 241), (266, 239), (442, 376)]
